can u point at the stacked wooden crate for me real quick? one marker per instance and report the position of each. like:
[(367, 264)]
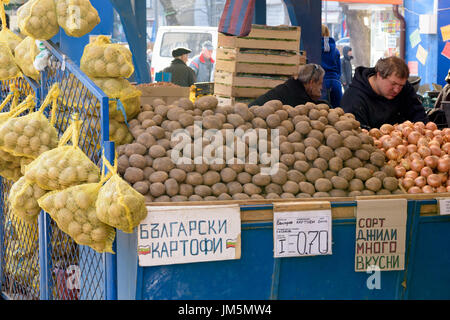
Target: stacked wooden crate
[(247, 67)]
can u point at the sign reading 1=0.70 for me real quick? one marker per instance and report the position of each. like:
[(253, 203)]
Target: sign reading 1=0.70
[(300, 234)]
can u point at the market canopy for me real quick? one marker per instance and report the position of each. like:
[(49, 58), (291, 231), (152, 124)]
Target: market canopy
[(371, 1)]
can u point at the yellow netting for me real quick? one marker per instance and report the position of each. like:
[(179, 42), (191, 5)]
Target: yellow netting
[(103, 59), (74, 211), (118, 204), (64, 166), (7, 35), (8, 67), (37, 19), (25, 53), (23, 198), (76, 17), (33, 134)]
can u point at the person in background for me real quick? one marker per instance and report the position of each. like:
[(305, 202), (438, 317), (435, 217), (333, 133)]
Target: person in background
[(382, 95), (346, 67), (444, 95), (203, 64), (331, 63), (182, 75), (306, 87)]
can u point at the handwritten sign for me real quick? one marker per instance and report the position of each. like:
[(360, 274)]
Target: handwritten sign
[(445, 32), (421, 54), (185, 234), (414, 38), (380, 234), (302, 233), (444, 206), (446, 51)]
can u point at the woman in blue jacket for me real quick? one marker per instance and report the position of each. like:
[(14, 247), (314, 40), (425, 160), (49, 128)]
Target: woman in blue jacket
[(331, 63)]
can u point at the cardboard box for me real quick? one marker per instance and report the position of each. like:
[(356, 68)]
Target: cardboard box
[(167, 93)]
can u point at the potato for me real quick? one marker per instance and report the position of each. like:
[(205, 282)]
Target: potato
[(353, 163), (373, 184), (163, 164), (346, 173), (352, 142), (202, 190), (138, 161), (228, 175), (377, 158), (158, 176), (206, 103), (135, 148), (251, 189), (291, 187), (234, 187), (194, 178), (335, 164), (211, 177), (243, 178), (339, 182), (325, 152), (321, 195), (343, 153), (132, 175), (321, 164), (157, 189), (313, 174), (142, 187), (303, 127), (311, 153), (356, 185), (338, 193), (186, 190), (335, 141), (273, 121), (273, 188), (294, 175), (363, 173)]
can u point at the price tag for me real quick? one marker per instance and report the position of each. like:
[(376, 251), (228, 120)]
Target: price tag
[(302, 233), (444, 206)]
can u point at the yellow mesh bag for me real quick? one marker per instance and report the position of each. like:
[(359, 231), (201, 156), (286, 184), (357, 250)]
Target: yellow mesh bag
[(23, 198), (118, 204), (19, 264), (27, 234), (37, 19), (33, 134), (7, 35), (10, 166), (8, 67), (73, 210), (25, 53), (103, 59), (64, 166), (76, 17)]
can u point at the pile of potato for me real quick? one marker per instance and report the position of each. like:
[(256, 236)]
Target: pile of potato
[(74, 211), (37, 19), (103, 59), (23, 199), (25, 53), (323, 153), (8, 67), (76, 17)]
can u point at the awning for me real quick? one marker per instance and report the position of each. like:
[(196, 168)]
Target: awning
[(371, 1)]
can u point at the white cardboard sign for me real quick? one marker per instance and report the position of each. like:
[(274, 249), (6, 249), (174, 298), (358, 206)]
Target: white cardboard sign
[(302, 233), (185, 234)]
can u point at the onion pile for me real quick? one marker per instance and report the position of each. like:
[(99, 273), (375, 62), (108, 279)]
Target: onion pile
[(419, 153)]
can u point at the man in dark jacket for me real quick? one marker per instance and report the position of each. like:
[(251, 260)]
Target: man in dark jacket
[(332, 88), (383, 95), (306, 87), (346, 67), (203, 64), (182, 75)]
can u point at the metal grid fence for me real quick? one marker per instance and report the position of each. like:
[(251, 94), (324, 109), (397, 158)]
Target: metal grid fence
[(52, 266)]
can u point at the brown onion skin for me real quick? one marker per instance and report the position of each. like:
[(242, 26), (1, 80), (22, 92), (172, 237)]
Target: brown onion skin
[(426, 171), (411, 174), (420, 181), (443, 165), (414, 190), (407, 183), (431, 161), (428, 189), (434, 180)]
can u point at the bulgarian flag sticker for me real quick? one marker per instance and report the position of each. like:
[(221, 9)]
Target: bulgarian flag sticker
[(231, 243), (143, 250)]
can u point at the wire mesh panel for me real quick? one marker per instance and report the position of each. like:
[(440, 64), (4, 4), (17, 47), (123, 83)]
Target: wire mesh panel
[(75, 272), (19, 261)]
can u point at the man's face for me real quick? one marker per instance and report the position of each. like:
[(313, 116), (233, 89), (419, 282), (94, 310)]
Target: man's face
[(391, 86), (207, 53), (349, 53)]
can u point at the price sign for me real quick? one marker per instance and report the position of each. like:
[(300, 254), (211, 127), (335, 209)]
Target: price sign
[(444, 206), (302, 233)]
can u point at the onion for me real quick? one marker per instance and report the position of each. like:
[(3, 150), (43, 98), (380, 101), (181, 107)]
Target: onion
[(402, 150), (406, 131), (413, 137), (420, 181), (429, 134), (386, 128), (415, 155), (431, 161), (407, 183), (446, 147), (411, 148), (448, 189), (427, 189), (425, 151), (434, 180), (415, 190), (374, 132), (435, 150), (431, 126), (399, 171), (417, 164), (441, 189), (411, 174), (423, 141), (443, 176), (443, 165), (406, 163), (426, 171), (392, 154)]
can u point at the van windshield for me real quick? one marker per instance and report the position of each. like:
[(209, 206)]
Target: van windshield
[(190, 40)]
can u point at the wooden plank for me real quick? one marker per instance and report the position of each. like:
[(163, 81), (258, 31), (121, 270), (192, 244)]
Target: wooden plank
[(258, 68), (235, 42), (231, 91), (230, 54), (278, 32), (232, 79)]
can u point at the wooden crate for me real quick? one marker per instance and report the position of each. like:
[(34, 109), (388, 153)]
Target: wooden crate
[(247, 80), (256, 68), (229, 101), (260, 56), (241, 92)]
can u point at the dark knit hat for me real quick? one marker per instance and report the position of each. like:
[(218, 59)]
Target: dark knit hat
[(180, 51)]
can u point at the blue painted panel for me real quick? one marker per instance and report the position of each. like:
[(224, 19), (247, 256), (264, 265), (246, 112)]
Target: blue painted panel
[(430, 278), (247, 278), (333, 276)]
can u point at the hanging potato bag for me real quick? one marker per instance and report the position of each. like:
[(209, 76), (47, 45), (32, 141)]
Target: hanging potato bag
[(23, 198), (118, 132), (125, 98), (76, 17), (7, 35), (119, 204), (33, 134), (64, 166), (25, 53), (103, 59), (37, 19), (73, 209), (8, 67)]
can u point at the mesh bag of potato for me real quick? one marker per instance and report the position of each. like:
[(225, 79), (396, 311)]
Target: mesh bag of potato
[(73, 209), (7, 35), (23, 198), (20, 264), (63, 166), (76, 17), (25, 53), (8, 67), (30, 135), (103, 59), (37, 19), (118, 204)]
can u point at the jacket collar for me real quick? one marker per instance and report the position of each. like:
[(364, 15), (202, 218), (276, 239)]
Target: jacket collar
[(203, 60)]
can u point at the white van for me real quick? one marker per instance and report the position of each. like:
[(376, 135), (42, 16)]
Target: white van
[(171, 37)]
